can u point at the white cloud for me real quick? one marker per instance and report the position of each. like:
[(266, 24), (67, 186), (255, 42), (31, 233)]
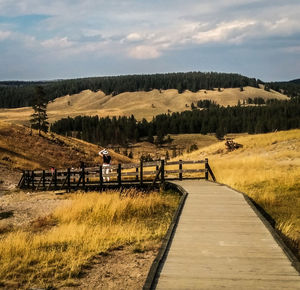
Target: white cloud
[(134, 37), (74, 30), (57, 42), (144, 52), (224, 32)]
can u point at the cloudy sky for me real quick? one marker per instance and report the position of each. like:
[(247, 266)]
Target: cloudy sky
[(55, 39)]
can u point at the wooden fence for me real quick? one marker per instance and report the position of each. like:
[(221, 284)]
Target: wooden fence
[(98, 178)]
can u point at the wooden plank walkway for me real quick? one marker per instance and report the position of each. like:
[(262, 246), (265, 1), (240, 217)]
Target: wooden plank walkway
[(220, 243)]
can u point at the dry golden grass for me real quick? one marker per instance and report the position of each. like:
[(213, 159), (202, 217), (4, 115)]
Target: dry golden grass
[(267, 169), (182, 142), (21, 149), (140, 104), (55, 249)]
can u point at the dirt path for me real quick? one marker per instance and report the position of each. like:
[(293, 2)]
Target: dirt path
[(8, 179), (19, 208), (118, 269)]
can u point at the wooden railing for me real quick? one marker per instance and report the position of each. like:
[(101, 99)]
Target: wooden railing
[(119, 175)]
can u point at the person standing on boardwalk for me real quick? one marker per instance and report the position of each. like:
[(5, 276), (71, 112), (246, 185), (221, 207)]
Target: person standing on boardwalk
[(106, 163)]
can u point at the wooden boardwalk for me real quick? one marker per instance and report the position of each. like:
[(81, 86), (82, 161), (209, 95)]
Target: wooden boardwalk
[(221, 243)]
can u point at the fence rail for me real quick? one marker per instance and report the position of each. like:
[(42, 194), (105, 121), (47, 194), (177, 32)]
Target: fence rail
[(115, 175)]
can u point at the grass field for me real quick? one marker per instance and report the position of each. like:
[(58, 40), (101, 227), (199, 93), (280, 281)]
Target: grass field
[(267, 169), (53, 250), (140, 104)]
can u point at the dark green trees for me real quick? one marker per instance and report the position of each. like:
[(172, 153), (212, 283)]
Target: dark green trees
[(275, 115), (17, 94), (39, 117)]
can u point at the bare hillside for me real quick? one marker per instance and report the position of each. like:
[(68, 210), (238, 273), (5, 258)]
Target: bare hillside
[(140, 104), (21, 148)]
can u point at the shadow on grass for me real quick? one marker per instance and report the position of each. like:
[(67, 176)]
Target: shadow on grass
[(6, 214)]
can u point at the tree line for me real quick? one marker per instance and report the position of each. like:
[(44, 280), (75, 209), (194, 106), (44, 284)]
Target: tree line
[(276, 115), (291, 88), (14, 94)]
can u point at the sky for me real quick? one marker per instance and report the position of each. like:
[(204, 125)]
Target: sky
[(61, 39)]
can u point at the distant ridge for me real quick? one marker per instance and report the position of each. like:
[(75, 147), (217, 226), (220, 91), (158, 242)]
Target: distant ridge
[(296, 81), (141, 104), (15, 94), (289, 88)]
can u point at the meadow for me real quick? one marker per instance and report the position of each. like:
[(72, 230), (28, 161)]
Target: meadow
[(52, 250)]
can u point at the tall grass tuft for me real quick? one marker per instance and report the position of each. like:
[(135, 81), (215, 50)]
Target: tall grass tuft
[(93, 223)]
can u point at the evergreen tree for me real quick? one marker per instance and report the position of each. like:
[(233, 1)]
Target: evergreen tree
[(169, 139), (220, 133), (280, 115), (18, 94), (160, 137), (167, 155), (150, 137), (39, 117)]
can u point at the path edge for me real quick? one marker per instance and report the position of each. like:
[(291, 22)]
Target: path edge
[(152, 274), (268, 221)]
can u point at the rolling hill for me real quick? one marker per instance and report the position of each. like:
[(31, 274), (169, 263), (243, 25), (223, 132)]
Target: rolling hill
[(141, 104), (21, 148)]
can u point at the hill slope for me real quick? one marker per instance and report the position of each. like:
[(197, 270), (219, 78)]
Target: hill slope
[(22, 149), (141, 104)]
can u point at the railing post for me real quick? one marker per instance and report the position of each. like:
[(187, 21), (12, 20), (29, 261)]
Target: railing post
[(55, 179), (141, 172), (32, 179), (136, 173), (100, 176), (44, 180), (162, 174), (119, 174), (206, 168), (211, 173), (180, 169), (22, 180), (28, 179), (83, 174), (69, 179)]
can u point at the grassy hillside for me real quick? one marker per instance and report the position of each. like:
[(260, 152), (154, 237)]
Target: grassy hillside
[(140, 104), (267, 169), (21, 148)]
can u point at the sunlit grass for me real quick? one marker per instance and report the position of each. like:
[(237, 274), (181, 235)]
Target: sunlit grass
[(267, 169), (56, 249)]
